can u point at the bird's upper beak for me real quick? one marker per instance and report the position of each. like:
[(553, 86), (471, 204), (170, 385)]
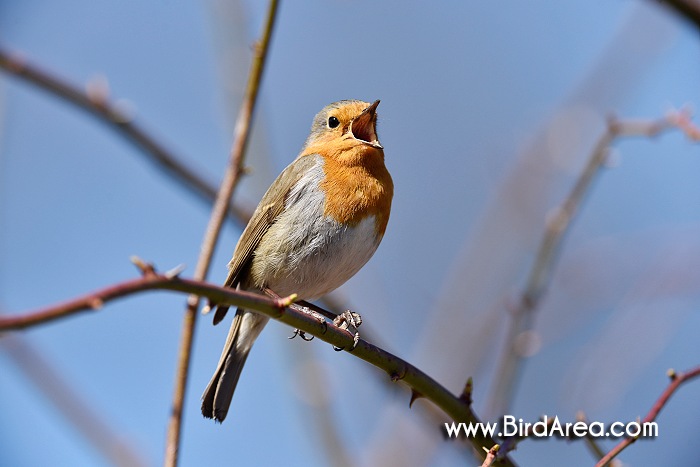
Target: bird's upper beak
[(364, 126)]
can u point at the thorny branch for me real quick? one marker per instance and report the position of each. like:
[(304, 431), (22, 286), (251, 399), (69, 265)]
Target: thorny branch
[(280, 310), (97, 103), (557, 225)]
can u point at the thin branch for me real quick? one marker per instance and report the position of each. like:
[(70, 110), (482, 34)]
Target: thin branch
[(676, 380), (591, 441), (278, 309), (559, 223), (97, 103), (490, 455), (218, 215), (96, 300)]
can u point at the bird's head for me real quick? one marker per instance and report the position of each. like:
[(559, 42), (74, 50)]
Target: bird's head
[(345, 125)]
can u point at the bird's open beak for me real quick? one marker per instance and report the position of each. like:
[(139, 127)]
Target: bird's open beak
[(364, 126)]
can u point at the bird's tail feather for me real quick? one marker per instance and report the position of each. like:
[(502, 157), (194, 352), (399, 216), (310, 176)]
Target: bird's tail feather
[(217, 396)]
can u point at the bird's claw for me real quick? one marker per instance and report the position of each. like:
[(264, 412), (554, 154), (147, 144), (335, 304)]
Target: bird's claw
[(348, 321), (301, 334)]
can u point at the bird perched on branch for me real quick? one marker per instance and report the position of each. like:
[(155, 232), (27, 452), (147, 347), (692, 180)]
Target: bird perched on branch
[(320, 221)]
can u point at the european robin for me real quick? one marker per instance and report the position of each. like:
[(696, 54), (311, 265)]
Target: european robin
[(319, 222)]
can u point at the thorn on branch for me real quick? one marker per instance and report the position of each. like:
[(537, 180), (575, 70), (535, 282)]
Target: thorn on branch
[(681, 120), (286, 301), (96, 303), (175, 272), (398, 377), (415, 395), (147, 269), (97, 91), (466, 395)]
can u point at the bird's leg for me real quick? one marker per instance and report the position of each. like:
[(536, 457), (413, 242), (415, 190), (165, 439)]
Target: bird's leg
[(348, 321), (304, 309)]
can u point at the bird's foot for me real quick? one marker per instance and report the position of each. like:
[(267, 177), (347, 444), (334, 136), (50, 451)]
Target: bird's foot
[(319, 317), (302, 334), (348, 321)]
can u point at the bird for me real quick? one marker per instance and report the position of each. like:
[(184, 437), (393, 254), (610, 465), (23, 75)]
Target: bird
[(316, 226)]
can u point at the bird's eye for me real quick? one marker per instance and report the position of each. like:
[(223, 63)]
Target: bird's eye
[(333, 122)]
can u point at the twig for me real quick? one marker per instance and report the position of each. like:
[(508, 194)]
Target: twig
[(278, 309), (98, 105), (559, 223), (96, 300), (218, 215), (490, 455), (591, 441), (676, 380)]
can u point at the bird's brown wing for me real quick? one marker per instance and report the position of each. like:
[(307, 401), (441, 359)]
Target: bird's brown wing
[(270, 207)]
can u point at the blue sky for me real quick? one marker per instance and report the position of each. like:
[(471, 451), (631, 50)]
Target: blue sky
[(489, 110)]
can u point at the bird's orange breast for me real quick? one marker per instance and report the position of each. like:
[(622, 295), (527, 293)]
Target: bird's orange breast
[(356, 182)]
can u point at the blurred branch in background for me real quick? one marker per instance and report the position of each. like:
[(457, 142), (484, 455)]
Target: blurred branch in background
[(312, 385), (688, 9), (677, 379), (462, 335), (282, 310), (592, 442), (96, 102), (116, 449), (232, 175), (520, 336)]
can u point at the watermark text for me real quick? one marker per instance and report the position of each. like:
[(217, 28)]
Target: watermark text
[(550, 427)]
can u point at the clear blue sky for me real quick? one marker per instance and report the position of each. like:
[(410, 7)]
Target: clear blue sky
[(489, 110)]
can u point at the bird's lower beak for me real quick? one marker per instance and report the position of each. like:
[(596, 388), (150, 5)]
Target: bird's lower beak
[(364, 126)]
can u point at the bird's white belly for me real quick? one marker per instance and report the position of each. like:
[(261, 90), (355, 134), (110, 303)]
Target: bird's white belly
[(329, 256), (307, 253)]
